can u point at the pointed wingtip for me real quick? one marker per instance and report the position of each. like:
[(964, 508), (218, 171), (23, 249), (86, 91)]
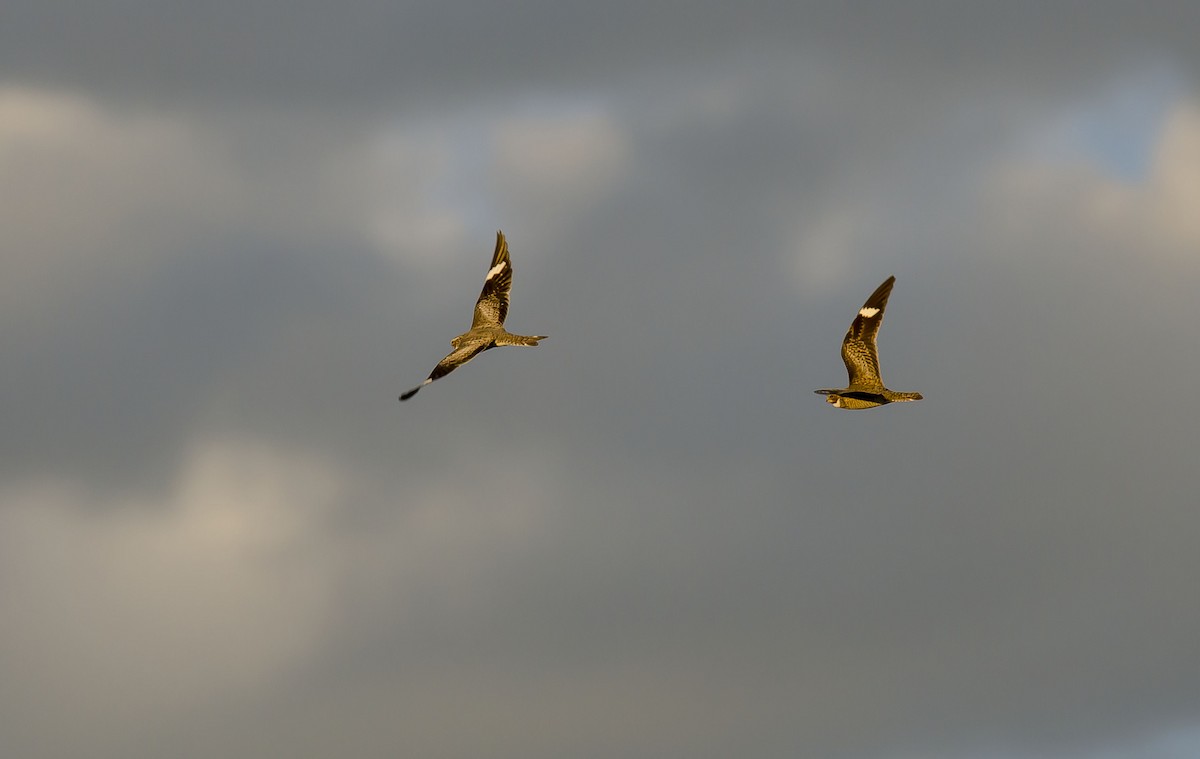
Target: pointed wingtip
[(874, 304), (413, 392), (501, 251)]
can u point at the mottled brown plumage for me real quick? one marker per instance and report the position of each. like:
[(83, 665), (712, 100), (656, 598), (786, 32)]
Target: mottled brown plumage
[(861, 356), (487, 326)]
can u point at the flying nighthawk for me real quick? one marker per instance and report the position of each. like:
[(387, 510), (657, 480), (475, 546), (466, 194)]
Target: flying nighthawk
[(861, 357), (487, 328)]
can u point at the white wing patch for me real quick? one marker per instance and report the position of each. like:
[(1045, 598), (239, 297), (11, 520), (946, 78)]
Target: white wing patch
[(867, 312), (495, 270)]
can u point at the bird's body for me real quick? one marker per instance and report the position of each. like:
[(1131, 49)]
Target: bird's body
[(859, 353), (487, 327)]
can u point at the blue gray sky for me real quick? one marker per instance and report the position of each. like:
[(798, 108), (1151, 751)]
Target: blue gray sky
[(235, 231)]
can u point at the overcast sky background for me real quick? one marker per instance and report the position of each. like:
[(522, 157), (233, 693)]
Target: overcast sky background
[(234, 232)]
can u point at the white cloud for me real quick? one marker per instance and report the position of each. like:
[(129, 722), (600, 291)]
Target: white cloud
[(121, 614), (86, 195), (556, 164), (573, 152), (94, 197), (411, 210), (429, 183), (118, 614), (1157, 214), (1175, 182)]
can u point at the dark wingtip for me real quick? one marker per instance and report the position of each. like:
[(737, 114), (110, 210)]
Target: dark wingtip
[(410, 393)]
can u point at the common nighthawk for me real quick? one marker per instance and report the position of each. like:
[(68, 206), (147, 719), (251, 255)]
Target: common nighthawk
[(487, 328), (861, 357)]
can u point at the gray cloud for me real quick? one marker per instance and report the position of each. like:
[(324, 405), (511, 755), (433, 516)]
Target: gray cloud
[(224, 536), (365, 51)]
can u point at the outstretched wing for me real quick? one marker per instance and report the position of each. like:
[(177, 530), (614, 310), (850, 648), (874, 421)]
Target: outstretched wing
[(457, 358), (492, 306), (858, 347)]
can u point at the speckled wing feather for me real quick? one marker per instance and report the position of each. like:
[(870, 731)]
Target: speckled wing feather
[(492, 306), (858, 347), (455, 359)]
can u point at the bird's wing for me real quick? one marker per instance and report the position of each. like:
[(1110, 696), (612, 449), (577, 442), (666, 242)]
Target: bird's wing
[(492, 306), (858, 347), (455, 359)]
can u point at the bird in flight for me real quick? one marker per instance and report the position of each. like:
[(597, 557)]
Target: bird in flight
[(861, 357), (487, 328)]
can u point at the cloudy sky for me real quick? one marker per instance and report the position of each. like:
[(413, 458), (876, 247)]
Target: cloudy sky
[(235, 231)]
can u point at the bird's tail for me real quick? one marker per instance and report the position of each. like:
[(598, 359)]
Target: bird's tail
[(510, 339), (901, 397)]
